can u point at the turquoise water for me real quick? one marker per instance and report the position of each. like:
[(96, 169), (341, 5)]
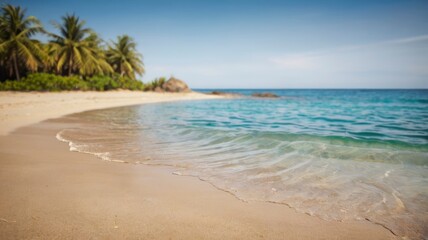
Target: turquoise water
[(336, 154)]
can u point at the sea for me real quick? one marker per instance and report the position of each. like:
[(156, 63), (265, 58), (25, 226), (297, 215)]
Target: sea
[(336, 154)]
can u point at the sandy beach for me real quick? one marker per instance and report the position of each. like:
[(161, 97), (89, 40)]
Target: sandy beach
[(48, 192)]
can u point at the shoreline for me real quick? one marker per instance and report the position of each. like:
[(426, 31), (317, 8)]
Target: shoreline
[(55, 193), (19, 109)]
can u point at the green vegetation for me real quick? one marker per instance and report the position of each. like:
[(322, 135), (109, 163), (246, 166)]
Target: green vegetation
[(157, 83), (45, 82), (18, 51), (74, 58), (52, 82), (124, 58), (78, 49)]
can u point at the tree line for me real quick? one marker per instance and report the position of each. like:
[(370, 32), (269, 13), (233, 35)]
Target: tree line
[(73, 50)]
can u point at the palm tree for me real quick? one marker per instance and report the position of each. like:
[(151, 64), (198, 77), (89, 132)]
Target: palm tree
[(16, 46), (50, 58), (124, 58), (77, 48), (96, 62)]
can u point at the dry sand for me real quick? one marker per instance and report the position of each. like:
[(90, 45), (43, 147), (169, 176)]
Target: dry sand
[(48, 192)]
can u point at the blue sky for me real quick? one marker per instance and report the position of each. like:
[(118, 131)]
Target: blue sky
[(265, 44)]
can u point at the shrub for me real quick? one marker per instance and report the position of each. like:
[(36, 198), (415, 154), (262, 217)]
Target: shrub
[(44, 82), (127, 83), (158, 82), (102, 83), (51, 82)]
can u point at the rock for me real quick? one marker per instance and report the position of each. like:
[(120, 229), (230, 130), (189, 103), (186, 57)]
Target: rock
[(158, 89), (175, 85), (226, 94), (265, 95), (217, 93)]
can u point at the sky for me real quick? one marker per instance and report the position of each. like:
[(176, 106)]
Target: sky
[(264, 44)]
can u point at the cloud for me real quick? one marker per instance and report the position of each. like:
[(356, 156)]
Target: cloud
[(206, 70), (300, 62), (311, 60), (377, 64), (408, 40)]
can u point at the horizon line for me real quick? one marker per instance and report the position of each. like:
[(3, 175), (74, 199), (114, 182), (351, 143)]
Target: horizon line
[(311, 88)]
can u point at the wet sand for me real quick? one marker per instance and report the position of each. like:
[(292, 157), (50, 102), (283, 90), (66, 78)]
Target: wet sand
[(48, 192)]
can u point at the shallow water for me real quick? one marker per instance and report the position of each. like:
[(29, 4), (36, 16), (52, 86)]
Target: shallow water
[(336, 154)]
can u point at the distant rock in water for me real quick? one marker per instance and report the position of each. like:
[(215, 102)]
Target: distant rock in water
[(175, 85), (226, 94), (265, 95)]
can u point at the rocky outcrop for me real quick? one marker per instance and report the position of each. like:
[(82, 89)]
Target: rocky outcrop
[(158, 90), (175, 85), (265, 95)]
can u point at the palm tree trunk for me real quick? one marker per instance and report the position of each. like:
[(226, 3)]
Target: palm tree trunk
[(15, 66), (121, 70), (70, 62)]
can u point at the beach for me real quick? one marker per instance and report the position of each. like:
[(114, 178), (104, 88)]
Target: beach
[(19, 109), (49, 192)]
